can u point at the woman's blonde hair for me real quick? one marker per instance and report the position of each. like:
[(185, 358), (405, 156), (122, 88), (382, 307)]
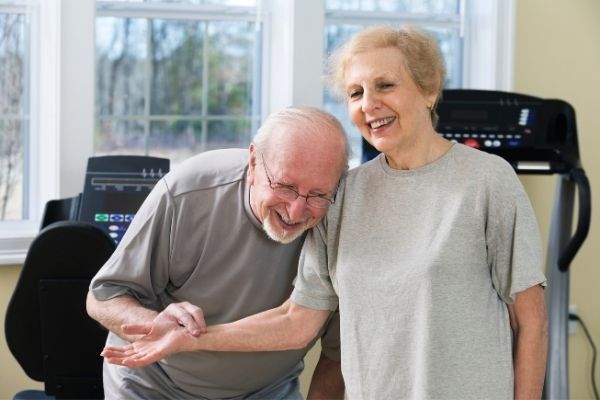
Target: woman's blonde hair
[(422, 55)]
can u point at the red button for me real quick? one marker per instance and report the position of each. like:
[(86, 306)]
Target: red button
[(472, 143)]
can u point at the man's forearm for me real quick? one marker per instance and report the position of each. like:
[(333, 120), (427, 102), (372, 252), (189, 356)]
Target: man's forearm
[(119, 311)]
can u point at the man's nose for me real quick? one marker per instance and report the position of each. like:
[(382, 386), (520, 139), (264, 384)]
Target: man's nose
[(297, 208)]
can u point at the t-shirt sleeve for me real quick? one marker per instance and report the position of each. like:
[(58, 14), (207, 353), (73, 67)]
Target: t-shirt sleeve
[(512, 236), (313, 287), (139, 265)]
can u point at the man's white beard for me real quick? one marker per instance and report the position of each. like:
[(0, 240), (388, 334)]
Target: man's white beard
[(276, 233)]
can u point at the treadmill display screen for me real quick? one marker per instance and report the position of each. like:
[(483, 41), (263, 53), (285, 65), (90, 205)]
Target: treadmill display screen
[(116, 187)]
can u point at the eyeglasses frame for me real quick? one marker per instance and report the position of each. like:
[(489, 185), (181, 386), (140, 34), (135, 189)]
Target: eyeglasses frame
[(277, 188)]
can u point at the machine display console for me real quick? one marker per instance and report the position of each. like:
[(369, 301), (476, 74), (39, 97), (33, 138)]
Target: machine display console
[(504, 123), (115, 188)]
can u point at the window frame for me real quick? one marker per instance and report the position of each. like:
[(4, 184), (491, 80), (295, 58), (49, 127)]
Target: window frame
[(62, 92), (59, 90), (16, 235)]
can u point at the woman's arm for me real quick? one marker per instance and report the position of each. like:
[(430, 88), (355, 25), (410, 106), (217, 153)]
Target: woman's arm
[(327, 382), (530, 326)]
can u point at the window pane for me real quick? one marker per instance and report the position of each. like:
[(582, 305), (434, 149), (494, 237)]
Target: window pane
[(120, 66), (401, 6), (115, 136), (451, 45), (228, 134), (230, 68), (177, 49), (13, 118), (180, 139), (249, 3), (175, 140)]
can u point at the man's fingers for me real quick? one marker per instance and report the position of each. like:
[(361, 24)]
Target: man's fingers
[(189, 316), (136, 362), (113, 351), (129, 356), (116, 355), (198, 315), (137, 329), (114, 360), (199, 324)]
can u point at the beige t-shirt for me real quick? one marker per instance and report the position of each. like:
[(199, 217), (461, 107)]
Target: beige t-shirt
[(422, 263)]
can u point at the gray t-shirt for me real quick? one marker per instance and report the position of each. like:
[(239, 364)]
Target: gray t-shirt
[(196, 239), (423, 263)]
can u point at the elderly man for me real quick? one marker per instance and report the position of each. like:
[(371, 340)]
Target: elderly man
[(218, 239)]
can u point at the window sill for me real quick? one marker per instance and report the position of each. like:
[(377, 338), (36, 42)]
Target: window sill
[(13, 248)]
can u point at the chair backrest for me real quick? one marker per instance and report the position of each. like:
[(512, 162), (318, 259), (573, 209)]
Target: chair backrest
[(66, 209), (47, 327)]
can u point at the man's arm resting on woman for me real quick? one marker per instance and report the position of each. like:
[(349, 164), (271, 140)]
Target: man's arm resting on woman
[(289, 326)]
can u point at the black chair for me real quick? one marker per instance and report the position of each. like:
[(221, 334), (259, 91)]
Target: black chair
[(66, 209), (47, 327)]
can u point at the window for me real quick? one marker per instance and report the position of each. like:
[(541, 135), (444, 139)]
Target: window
[(27, 101), (176, 79), (14, 111)]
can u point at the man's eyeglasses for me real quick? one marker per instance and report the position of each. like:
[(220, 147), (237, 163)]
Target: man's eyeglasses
[(288, 193)]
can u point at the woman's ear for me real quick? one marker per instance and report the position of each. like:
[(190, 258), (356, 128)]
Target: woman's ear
[(431, 100)]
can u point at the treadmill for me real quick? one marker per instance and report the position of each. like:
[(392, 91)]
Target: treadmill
[(536, 136)]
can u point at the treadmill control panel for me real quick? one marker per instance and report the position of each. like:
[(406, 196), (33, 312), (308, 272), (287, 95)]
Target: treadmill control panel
[(513, 127), (115, 188)]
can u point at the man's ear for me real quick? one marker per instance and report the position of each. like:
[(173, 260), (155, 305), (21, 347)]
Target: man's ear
[(251, 163)]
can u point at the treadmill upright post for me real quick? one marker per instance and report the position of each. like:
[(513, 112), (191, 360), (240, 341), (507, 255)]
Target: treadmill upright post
[(557, 294)]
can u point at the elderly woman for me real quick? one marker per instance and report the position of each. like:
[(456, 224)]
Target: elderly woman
[(431, 251), (432, 248)]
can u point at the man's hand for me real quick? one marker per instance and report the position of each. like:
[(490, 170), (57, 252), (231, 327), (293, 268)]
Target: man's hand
[(162, 340), (165, 335), (183, 314)]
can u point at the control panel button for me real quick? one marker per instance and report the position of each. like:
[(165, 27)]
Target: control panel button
[(472, 143)]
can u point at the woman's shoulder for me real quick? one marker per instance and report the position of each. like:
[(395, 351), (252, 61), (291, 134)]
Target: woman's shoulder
[(481, 160), (487, 169), (364, 170)]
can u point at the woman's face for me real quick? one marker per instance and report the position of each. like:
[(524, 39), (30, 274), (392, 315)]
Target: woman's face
[(384, 102)]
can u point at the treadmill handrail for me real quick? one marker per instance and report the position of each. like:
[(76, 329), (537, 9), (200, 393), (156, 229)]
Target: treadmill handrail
[(583, 220)]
